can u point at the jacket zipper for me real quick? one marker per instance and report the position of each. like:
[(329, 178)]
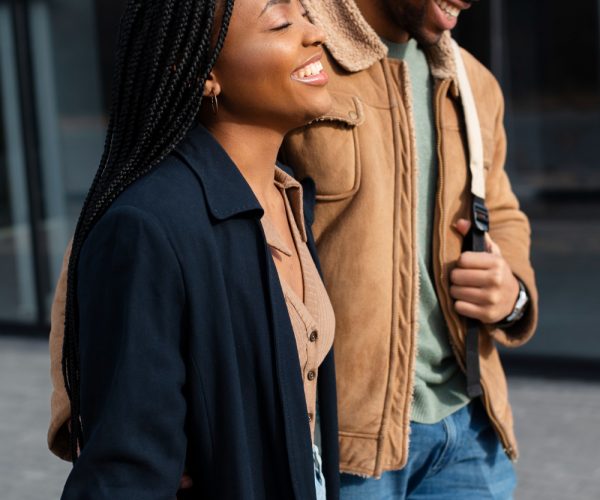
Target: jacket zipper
[(441, 91)]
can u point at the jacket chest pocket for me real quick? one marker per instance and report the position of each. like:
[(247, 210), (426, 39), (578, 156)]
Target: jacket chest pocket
[(327, 150)]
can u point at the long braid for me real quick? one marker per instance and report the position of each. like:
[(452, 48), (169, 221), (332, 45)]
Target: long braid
[(163, 59), (195, 101), (180, 67), (125, 30)]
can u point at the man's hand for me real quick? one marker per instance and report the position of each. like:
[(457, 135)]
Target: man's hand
[(482, 284)]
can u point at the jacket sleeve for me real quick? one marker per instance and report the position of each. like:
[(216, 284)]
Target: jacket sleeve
[(60, 409), (131, 301), (510, 229)]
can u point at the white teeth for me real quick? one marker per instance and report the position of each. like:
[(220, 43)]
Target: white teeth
[(447, 8), (309, 70)]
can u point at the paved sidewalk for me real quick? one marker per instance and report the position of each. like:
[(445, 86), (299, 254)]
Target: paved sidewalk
[(558, 423), (27, 469)]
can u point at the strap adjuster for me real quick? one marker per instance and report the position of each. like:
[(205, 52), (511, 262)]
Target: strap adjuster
[(481, 216)]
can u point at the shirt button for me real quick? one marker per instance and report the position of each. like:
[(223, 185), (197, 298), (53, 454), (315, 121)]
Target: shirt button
[(311, 375), (310, 417), (313, 336)]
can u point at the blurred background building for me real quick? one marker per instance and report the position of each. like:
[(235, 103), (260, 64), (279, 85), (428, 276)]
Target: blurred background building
[(55, 72)]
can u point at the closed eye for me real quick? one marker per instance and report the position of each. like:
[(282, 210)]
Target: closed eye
[(282, 26), (287, 24)]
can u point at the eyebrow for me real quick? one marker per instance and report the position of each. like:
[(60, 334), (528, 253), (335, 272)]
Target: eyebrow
[(270, 3)]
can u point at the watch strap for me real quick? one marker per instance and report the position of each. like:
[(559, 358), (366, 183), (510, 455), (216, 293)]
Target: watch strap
[(519, 310)]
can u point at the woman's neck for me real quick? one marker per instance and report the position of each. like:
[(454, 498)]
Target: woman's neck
[(254, 151)]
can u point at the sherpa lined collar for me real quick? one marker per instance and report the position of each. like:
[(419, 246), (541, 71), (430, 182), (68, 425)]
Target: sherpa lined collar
[(354, 44)]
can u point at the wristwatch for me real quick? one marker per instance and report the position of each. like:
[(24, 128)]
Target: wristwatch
[(519, 310)]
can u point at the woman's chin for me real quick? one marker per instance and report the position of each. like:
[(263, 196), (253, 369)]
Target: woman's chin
[(318, 108)]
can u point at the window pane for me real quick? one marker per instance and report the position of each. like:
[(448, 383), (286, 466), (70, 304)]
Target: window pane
[(70, 113), (555, 94), (554, 130), (17, 284)]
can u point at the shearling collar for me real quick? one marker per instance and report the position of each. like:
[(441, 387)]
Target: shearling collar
[(355, 45)]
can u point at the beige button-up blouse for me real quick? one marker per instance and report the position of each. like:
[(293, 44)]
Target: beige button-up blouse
[(312, 316)]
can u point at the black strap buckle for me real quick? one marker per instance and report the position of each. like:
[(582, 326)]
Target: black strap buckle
[(481, 216)]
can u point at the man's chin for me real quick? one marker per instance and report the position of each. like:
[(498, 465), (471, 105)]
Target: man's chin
[(428, 38)]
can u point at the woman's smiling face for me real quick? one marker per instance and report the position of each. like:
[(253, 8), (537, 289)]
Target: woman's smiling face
[(269, 71)]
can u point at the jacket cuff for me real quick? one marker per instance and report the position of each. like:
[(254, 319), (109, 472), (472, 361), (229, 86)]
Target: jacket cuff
[(521, 331)]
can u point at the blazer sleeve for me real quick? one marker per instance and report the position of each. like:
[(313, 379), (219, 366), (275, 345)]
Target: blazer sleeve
[(131, 299)]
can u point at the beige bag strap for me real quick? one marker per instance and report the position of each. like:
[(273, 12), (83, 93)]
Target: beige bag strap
[(474, 139), (480, 215)]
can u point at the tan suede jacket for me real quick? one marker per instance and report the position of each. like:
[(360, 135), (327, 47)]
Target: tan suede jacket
[(362, 158)]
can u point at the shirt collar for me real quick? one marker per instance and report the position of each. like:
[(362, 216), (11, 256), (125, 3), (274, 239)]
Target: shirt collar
[(291, 189), (293, 192)]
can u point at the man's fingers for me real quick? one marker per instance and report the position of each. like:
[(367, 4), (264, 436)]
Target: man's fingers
[(474, 311), (462, 226), (469, 310), (477, 278), (491, 246), (477, 260), (473, 295)]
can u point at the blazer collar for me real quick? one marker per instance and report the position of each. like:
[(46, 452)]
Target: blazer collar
[(227, 192)]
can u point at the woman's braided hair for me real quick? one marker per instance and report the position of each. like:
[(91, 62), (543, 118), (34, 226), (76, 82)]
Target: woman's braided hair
[(165, 53)]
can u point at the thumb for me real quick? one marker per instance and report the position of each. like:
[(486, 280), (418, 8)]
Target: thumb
[(462, 226), (491, 246)]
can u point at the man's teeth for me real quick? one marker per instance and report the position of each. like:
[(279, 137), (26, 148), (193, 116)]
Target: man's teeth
[(447, 8), (309, 70)]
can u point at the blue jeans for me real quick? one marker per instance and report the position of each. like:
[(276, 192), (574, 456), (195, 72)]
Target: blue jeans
[(460, 457), (319, 479)]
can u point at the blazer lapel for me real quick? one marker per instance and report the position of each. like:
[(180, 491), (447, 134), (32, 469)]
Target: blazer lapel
[(291, 389)]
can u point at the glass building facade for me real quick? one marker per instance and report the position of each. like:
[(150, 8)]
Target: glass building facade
[(55, 65), (52, 121)]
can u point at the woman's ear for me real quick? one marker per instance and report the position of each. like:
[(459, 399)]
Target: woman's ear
[(211, 87)]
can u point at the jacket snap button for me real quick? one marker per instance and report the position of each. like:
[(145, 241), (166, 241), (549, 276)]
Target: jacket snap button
[(313, 336), (311, 375)]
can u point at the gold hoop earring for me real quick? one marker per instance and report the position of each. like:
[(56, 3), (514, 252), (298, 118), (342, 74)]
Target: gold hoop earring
[(214, 101)]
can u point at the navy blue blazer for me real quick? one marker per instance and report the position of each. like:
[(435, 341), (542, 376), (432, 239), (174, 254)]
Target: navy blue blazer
[(188, 358)]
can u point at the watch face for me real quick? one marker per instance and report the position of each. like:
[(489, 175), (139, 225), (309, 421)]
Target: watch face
[(522, 301)]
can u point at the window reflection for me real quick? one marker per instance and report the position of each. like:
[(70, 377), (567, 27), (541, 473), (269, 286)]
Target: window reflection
[(17, 283), (71, 121)]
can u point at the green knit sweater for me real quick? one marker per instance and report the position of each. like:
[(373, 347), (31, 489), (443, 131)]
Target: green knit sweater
[(440, 387)]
